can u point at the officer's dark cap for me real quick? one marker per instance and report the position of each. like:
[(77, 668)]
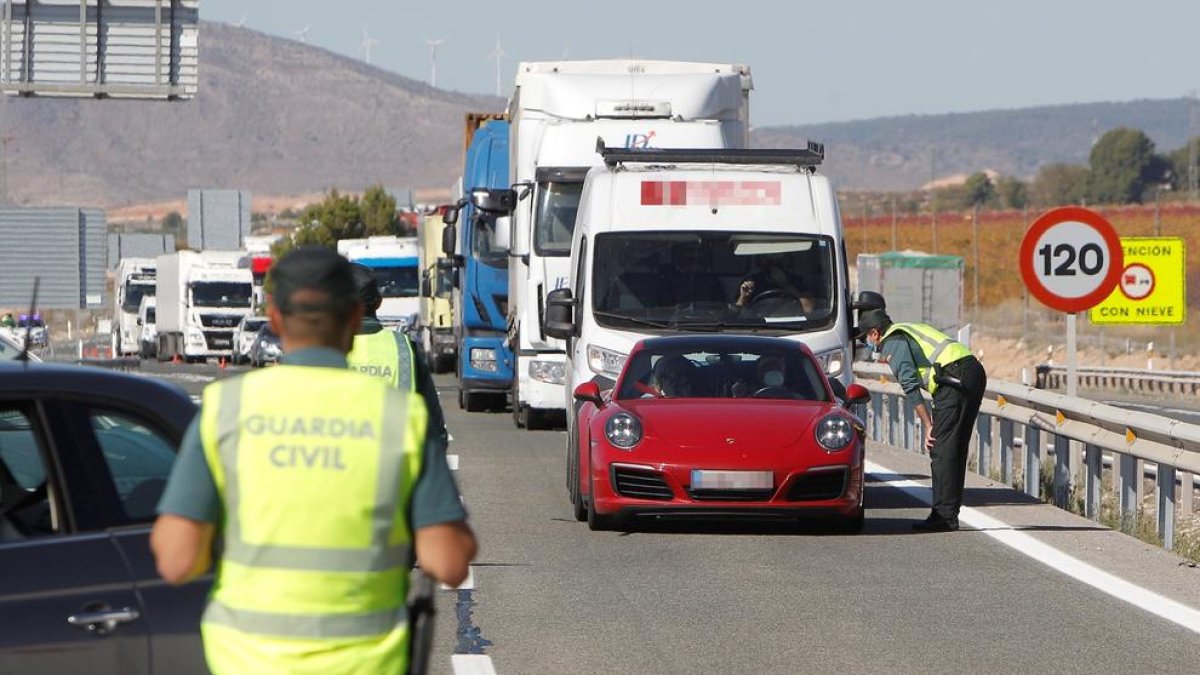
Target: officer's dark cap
[(314, 268), (368, 288), (872, 318)]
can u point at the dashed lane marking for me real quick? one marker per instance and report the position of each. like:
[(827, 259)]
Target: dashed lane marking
[(467, 585), (1175, 612), (472, 664), (452, 460)]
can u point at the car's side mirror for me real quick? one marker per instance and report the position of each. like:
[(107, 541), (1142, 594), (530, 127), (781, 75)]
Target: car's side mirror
[(139, 320), (855, 394), (559, 321), (589, 392)]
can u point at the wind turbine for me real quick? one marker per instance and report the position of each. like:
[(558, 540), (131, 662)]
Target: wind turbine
[(433, 45), (499, 54), (367, 43), (302, 34), (242, 22)]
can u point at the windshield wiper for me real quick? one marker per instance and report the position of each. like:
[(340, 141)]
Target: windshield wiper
[(634, 320)]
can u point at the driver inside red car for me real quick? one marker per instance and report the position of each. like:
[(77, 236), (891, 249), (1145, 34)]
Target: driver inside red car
[(672, 377)]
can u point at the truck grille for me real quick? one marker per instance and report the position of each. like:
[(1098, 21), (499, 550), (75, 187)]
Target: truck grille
[(640, 483), (218, 339), (219, 320), (818, 485)]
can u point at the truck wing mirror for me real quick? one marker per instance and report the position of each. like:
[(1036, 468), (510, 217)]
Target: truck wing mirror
[(450, 236), (869, 300), (559, 321), (426, 291), (494, 200), (450, 215)]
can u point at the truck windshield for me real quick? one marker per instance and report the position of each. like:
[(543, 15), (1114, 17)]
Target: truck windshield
[(150, 316), (695, 280), (554, 220), (221, 294), (483, 243), (134, 294), (396, 282)]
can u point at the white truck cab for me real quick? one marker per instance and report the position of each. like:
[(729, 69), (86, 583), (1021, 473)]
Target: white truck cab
[(675, 241), (556, 113)]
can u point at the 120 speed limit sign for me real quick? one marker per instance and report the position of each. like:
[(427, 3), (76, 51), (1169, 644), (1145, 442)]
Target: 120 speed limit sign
[(1071, 259)]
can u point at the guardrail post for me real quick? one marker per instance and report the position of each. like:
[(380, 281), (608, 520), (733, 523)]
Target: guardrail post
[(1094, 481), (1166, 505), (876, 418), (983, 428), (893, 406), (1187, 486), (1033, 460), (1006, 451), (909, 426), (1062, 472), (1128, 495)]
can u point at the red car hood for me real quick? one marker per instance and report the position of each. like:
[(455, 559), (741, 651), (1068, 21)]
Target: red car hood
[(710, 423)]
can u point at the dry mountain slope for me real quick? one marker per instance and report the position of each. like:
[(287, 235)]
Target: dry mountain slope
[(272, 115)]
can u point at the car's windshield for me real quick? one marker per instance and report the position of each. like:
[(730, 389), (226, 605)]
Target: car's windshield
[(134, 292), (150, 315), (714, 280), (483, 242), (252, 325), (221, 293), (397, 282), (782, 372), (554, 219), (9, 351)]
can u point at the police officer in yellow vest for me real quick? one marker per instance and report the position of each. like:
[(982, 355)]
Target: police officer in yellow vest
[(921, 357), (390, 355), (322, 485)]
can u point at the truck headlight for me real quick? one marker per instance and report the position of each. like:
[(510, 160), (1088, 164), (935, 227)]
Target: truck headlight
[(550, 372), (483, 359), (605, 361), (833, 361), (195, 337), (623, 430), (834, 433)]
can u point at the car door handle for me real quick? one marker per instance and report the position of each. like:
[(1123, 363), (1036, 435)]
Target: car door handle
[(103, 621)]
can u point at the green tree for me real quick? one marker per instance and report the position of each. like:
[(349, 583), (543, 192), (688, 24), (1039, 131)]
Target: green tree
[(1014, 193), (1181, 164), (173, 223), (378, 210), (1123, 165), (978, 190), (1060, 184)]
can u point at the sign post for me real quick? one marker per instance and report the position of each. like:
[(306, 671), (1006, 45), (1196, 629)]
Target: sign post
[(1071, 259)]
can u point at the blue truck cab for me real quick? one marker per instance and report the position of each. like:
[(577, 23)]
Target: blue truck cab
[(485, 360)]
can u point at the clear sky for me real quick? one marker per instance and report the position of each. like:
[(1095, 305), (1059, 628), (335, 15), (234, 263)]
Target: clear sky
[(832, 60)]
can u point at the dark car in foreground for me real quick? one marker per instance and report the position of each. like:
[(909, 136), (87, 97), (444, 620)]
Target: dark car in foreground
[(717, 426), (84, 457)]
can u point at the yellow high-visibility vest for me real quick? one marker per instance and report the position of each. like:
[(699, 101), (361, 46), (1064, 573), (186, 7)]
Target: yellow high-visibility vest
[(937, 347), (315, 468), (387, 355)]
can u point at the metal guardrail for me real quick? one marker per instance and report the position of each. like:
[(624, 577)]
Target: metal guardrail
[(1050, 376), (1079, 432)]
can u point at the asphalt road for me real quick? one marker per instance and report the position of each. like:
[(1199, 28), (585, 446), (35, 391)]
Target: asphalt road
[(550, 596)]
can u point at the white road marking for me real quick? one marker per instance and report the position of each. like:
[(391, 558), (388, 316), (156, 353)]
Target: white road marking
[(467, 585), (452, 460), (1175, 612), (472, 664)]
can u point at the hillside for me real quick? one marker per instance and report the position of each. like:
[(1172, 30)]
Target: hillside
[(280, 117), (272, 115)]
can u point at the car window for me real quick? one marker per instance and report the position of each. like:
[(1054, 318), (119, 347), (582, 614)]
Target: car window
[(779, 373), (139, 460), (24, 500)]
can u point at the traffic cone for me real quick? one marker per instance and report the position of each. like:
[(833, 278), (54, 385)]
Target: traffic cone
[(221, 363), (175, 359)]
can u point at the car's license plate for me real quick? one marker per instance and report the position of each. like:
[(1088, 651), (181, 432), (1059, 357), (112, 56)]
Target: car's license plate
[(732, 480)]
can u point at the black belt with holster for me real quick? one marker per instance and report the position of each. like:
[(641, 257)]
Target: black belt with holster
[(948, 375)]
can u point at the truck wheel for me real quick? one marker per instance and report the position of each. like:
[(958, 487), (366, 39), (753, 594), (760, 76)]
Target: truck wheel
[(519, 413)]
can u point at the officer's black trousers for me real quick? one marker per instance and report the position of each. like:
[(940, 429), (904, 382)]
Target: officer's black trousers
[(954, 412)]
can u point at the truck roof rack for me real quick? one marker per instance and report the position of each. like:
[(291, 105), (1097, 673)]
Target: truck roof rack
[(803, 158)]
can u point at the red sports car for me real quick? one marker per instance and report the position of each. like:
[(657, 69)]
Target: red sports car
[(717, 426)]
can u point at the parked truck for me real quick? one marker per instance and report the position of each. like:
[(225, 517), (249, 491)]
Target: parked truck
[(557, 112), (478, 246), (393, 261), (134, 279), (435, 323), (201, 298)]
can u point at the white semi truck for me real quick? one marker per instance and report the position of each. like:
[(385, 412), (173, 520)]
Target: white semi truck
[(557, 112), (201, 298), (133, 280), (394, 262)]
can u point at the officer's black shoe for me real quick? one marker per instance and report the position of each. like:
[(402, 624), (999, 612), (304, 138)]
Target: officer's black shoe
[(935, 523)]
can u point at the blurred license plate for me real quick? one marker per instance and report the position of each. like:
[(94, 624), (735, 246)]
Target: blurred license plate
[(732, 480)]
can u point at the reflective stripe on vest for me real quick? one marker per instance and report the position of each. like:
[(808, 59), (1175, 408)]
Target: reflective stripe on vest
[(387, 355), (315, 489), (937, 347)]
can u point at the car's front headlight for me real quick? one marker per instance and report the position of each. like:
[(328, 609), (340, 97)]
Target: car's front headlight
[(623, 430), (834, 433), (550, 372), (605, 361), (833, 361)]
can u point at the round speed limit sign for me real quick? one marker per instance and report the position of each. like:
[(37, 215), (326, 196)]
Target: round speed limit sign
[(1071, 259)]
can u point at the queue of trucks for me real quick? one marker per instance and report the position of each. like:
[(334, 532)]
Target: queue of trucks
[(632, 207)]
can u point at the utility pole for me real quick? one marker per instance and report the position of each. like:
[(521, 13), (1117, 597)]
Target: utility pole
[(1192, 177), (4, 141), (933, 195), (975, 272), (894, 243)]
